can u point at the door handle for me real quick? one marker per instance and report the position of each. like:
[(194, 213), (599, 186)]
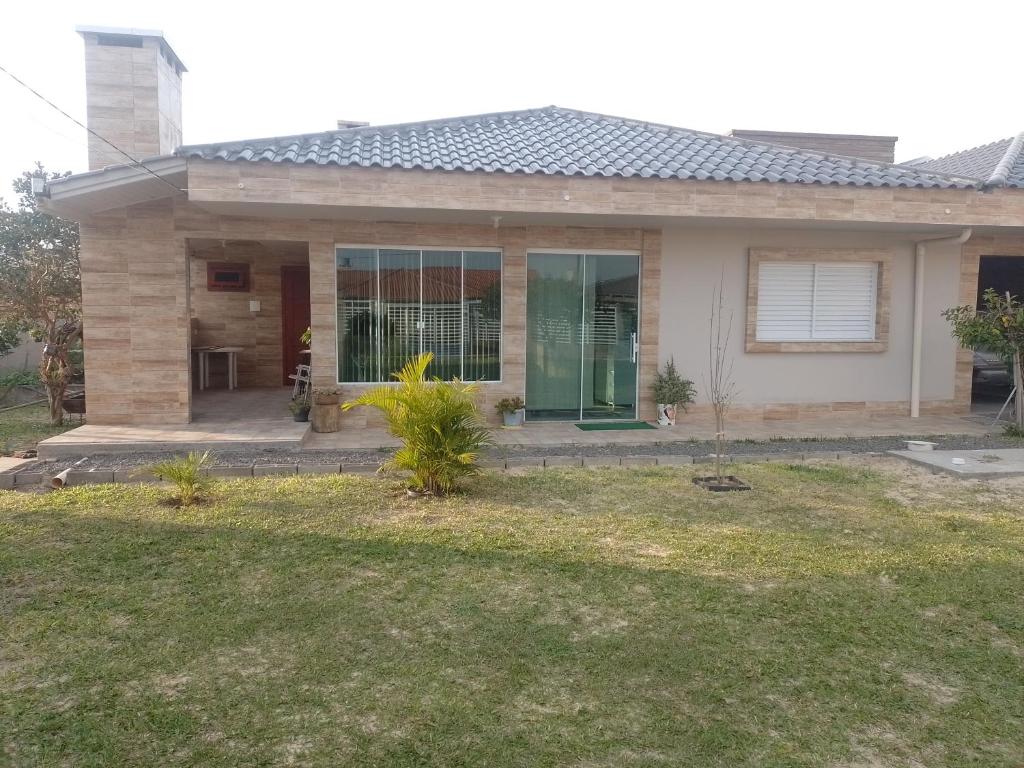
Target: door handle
[(633, 347)]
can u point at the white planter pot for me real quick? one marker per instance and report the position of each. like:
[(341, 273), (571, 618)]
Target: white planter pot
[(666, 414), (514, 418)]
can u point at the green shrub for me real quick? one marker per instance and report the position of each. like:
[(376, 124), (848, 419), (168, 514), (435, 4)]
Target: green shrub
[(672, 389), (186, 474), (509, 404), (1012, 430), (20, 379), (437, 421)]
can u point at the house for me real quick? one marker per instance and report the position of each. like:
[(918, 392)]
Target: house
[(552, 253)]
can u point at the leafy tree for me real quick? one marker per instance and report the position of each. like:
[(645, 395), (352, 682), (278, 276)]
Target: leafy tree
[(997, 326), (40, 287)]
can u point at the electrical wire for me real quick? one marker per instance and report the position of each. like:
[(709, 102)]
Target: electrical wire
[(134, 162)]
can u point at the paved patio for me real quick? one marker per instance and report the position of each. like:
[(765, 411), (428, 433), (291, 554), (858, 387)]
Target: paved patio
[(222, 420), (258, 418)]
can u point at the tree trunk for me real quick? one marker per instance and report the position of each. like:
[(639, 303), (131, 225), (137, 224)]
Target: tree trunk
[(1018, 382), (55, 401), (719, 434)]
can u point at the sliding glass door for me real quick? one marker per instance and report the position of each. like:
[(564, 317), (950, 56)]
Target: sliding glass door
[(582, 336)]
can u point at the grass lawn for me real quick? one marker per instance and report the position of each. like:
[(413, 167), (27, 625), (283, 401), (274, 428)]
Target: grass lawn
[(835, 616), (22, 428)]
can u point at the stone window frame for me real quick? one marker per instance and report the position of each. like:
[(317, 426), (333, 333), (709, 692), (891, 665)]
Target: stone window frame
[(883, 298)]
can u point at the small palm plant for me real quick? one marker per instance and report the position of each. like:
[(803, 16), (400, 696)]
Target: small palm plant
[(437, 421), (186, 474)]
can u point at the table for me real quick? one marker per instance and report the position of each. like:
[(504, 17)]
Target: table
[(203, 354)]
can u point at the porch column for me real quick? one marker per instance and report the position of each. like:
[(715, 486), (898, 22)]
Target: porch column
[(323, 312), (135, 317)]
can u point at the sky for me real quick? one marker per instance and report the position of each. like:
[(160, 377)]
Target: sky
[(941, 75)]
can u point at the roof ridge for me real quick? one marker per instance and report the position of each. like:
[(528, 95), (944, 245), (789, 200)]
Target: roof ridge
[(1004, 167)]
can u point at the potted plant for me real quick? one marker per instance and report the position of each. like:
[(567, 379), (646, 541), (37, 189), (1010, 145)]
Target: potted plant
[(299, 407), (671, 392), (512, 410), (326, 413)]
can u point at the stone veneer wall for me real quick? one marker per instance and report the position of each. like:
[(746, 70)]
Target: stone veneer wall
[(135, 286), (222, 318), (137, 298)]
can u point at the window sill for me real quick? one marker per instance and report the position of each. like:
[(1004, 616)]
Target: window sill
[(817, 346)]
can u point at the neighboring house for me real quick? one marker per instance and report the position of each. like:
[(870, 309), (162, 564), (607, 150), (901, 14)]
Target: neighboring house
[(552, 253)]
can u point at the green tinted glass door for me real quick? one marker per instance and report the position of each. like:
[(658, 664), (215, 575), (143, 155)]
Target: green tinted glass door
[(610, 315), (582, 336), (554, 350)]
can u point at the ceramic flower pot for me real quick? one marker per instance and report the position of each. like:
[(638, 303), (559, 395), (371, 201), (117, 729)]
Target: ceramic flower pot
[(666, 414)]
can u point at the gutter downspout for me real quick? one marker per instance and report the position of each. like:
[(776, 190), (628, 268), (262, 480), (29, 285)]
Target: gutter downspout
[(915, 360)]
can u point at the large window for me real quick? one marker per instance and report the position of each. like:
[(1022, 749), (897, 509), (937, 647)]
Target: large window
[(394, 303), (817, 301)]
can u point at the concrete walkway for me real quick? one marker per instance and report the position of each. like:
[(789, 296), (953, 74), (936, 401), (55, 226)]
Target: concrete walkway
[(988, 463), (687, 428), (200, 436), (258, 419)]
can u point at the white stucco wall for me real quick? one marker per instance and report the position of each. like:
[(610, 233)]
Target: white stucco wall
[(694, 260)]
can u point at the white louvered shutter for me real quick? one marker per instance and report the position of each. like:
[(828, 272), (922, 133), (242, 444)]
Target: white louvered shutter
[(785, 297), (844, 302), (826, 301)]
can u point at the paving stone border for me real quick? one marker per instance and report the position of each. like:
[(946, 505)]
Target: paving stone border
[(30, 479)]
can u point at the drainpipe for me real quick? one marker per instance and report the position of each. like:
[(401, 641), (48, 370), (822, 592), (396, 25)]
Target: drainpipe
[(915, 360)]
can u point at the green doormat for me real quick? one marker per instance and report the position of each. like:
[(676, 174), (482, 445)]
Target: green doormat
[(598, 426)]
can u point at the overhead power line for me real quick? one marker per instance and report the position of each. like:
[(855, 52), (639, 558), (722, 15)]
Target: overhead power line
[(133, 161)]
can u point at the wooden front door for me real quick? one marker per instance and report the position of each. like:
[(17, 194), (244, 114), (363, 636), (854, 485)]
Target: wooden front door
[(294, 317)]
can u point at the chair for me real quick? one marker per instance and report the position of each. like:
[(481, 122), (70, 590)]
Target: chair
[(301, 379)]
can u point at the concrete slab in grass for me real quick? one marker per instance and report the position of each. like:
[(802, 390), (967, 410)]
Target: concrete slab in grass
[(563, 461), (524, 461), (89, 477), (639, 461), (674, 461), (134, 476), (240, 471), (601, 461), (319, 469), (710, 459), (983, 464), (6, 481), (750, 458), (359, 469), (268, 470), (824, 455), (23, 479)]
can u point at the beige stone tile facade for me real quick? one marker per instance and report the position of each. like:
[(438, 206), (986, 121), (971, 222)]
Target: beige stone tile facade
[(144, 281), (284, 185), (121, 251)]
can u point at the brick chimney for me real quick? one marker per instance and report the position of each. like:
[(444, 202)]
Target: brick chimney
[(133, 94), (876, 149)]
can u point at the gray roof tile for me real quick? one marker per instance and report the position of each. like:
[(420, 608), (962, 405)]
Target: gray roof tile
[(999, 164), (558, 141)]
